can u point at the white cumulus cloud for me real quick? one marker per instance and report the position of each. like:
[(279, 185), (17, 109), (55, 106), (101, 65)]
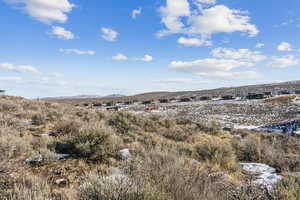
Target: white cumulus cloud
[(120, 57), (259, 45), (146, 58), (77, 51), (238, 54), (284, 46), (232, 75), (136, 12), (109, 34), (196, 42), (179, 17), (46, 11), (18, 68), (207, 65), (284, 61), (62, 33)]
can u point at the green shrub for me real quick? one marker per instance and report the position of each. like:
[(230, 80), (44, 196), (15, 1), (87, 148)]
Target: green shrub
[(91, 143), (123, 122)]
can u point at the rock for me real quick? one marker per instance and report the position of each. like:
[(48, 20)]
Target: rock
[(61, 182), (34, 161), (61, 156), (266, 175), (125, 154), (115, 171)]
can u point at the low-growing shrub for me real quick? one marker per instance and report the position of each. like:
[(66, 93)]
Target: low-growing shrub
[(216, 151), (66, 128), (177, 178), (116, 187), (91, 143), (38, 119), (289, 187)]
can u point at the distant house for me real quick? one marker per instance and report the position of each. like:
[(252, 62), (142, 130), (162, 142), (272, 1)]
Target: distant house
[(204, 98), (268, 94), (164, 100), (147, 102), (2, 92), (227, 97), (297, 91), (186, 99), (113, 108), (284, 92), (97, 104), (252, 96)]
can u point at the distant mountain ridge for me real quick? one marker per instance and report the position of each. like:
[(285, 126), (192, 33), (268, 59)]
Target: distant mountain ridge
[(240, 90), (84, 97)]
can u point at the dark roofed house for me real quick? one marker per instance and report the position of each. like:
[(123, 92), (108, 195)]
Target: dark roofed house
[(284, 92), (2, 92), (186, 99), (227, 97), (253, 96)]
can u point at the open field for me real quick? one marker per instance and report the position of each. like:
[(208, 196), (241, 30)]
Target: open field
[(59, 151)]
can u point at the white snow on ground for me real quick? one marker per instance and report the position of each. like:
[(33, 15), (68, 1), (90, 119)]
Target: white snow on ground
[(257, 168), (245, 127), (266, 174)]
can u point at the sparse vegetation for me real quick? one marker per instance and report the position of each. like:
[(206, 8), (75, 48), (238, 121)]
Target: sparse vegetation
[(172, 158)]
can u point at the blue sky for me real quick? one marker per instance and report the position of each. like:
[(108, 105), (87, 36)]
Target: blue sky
[(72, 47)]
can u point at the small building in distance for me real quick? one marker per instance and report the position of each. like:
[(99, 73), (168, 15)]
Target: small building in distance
[(2, 92), (253, 96), (147, 102), (164, 100), (284, 92), (297, 91), (204, 98), (186, 99), (227, 97)]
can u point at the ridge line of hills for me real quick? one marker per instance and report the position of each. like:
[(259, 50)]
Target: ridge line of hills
[(239, 90)]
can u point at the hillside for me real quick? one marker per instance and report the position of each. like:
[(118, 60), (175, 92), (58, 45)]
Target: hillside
[(57, 151), (242, 90)]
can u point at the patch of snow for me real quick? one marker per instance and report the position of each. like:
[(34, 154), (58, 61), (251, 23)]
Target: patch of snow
[(245, 127), (257, 168)]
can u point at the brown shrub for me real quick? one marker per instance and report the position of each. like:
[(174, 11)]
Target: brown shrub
[(177, 178), (216, 151), (66, 128)]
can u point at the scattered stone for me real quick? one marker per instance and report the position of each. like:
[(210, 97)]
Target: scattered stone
[(61, 182), (34, 161), (125, 154), (61, 156), (115, 171)]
